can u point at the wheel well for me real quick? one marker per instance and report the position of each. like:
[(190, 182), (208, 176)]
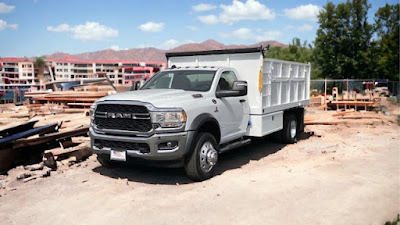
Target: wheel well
[(212, 128), (299, 114)]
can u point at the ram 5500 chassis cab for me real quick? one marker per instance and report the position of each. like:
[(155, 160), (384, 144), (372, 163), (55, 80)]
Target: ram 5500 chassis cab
[(206, 103)]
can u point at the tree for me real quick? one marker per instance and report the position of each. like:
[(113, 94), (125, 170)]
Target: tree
[(39, 62), (343, 42), (387, 46), (40, 65)]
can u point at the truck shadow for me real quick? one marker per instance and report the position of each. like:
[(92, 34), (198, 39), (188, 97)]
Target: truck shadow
[(258, 149)]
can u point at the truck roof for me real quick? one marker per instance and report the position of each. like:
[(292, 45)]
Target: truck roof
[(216, 52), (212, 68)]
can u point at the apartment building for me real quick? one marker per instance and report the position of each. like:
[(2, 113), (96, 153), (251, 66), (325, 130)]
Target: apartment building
[(120, 72), (18, 72)]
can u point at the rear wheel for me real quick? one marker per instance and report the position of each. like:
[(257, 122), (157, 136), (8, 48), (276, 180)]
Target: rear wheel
[(201, 164), (289, 132)]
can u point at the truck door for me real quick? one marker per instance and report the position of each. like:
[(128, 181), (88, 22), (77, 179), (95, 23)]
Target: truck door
[(231, 111)]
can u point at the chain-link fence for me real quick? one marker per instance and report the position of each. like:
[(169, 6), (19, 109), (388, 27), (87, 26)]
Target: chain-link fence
[(382, 87)]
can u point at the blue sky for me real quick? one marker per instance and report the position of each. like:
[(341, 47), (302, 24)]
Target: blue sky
[(39, 27)]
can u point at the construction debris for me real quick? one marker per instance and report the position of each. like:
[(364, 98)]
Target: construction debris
[(49, 130), (38, 128)]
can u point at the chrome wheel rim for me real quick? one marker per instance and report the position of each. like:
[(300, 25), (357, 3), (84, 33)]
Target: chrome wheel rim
[(293, 129), (208, 157)]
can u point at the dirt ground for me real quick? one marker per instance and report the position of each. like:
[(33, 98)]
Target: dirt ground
[(336, 174)]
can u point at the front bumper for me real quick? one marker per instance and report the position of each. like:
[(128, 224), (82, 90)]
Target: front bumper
[(155, 154)]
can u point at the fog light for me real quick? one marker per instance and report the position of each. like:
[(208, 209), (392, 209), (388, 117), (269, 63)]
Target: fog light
[(168, 145)]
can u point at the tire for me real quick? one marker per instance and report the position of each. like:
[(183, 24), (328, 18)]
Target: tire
[(201, 164), (105, 161), (289, 131)]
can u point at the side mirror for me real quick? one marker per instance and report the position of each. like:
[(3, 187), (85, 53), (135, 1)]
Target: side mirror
[(135, 86), (239, 88)]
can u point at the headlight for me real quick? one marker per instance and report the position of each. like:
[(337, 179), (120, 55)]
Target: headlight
[(92, 110), (169, 119)]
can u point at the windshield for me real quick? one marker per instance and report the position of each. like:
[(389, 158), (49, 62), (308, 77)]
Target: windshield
[(188, 80)]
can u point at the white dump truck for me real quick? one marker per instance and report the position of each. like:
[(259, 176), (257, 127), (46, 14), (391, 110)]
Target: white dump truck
[(204, 104)]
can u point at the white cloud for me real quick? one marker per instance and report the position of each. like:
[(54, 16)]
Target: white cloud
[(6, 8), (171, 43), (237, 11), (192, 28), (115, 47), (304, 12), (203, 7), (208, 19), (93, 31), (242, 33), (304, 27), (250, 10), (151, 27), (90, 31), (4, 25), (249, 34), (60, 28), (268, 35), (166, 45)]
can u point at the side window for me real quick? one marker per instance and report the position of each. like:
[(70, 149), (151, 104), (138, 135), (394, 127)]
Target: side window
[(226, 81)]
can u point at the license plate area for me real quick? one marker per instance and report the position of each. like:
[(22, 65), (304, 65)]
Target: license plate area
[(118, 155)]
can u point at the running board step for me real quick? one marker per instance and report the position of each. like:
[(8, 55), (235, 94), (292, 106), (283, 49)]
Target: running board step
[(234, 145)]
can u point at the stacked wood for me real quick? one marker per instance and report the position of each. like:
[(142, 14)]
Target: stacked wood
[(70, 99)]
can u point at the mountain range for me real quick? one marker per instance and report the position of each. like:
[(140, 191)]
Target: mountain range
[(152, 54)]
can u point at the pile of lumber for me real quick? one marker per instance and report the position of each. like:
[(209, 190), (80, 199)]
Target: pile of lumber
[(69, 99), (27, 143)]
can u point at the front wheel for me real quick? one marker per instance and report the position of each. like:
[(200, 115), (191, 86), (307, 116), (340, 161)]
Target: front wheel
[(201, 164)]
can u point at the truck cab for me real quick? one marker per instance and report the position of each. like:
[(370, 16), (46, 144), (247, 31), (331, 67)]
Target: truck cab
[(186, 115)]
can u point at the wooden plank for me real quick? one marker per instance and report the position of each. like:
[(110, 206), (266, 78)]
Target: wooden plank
[(67, 99), (322, 123), (50, 137), (80, 104), (360, 117), (76, 110), (80, 152), (343, 113)]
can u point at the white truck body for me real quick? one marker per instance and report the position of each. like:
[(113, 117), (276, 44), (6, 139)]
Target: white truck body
[(204, 104), (273, 85)]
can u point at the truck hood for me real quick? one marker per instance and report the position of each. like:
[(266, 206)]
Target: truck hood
[(157, 97)]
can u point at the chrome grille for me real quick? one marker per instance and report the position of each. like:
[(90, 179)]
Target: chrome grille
[(122, 117)]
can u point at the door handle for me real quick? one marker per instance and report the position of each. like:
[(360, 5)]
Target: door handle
[(242, 100)]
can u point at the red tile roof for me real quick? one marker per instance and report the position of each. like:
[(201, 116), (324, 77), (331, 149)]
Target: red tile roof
[(14, 59)]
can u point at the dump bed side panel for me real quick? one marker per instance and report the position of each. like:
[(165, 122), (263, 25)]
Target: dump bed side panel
[(285, 85)]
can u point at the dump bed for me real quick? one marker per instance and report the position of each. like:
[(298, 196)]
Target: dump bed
[(273, 85)]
